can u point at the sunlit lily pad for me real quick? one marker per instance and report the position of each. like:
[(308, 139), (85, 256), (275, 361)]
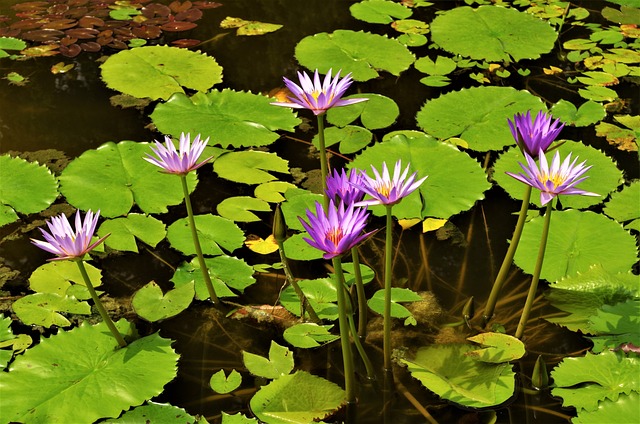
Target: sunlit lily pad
[(309, 335), (215, 233), (623, 410), (398, 296), (377, 112), (245, 27), (279, 363), (239, 208), (588, 113), (124, 232), (492, 33), (114, 176), (272, 191), (298, 249), (230, 118), (151, 304), (379, 11), (623, 206), (594, 239), (153, 412), (321, 294), (351, 138), (44, 309), (477, 115), (455, 180), (160, 71), (85, 367), (250, 166), (497, 348), (221, 383), (360, 53), (26, 188), (10, 43), (60, 276)]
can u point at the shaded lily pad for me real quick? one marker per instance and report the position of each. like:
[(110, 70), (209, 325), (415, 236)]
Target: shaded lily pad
[(230, 118), (160, 71), (113, 176), (477, 115), (309, 335), (151, 304), (398, 295), (595, 239), (360, 53), (125, 231), (215, 233), (615, 325), (492, 33), (27, 187)]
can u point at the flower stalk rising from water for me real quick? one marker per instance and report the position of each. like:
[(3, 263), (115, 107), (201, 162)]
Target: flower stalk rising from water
[(388, 191), (559, 178), (66, 243), (181, 162), (531, 136)]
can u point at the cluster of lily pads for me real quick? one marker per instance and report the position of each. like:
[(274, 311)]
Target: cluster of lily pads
[(586, 252)]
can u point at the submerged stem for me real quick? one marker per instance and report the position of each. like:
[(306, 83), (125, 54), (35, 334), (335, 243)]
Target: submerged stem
[(196, 243), (324, 166), (508, 259), (356, 340), (536, 273), (387, 291), (362, 297), (96, 300), (347, 356)]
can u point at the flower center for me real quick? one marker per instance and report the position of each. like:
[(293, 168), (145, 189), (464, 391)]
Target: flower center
[(556, 179), (384, 189), (335, 235)]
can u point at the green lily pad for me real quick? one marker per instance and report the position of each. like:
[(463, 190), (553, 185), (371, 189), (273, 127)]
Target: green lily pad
[(60, 276), (214, 232), (379, 11), (297, 398), (10, 43), (298, 249), (621, 138), (85, 367), (378, 112), (273, 191), (598, 93), (376, 303), (279, 363), (152, 305), (124, 231), (222, 383), (410, 27), (153, 412), (309, 335), (584, 382), (114, 176), (455, 180), (297, 203), (237, 419), (623, 410), (628, 14), (441, 66), (594, 239), (18, 343), (351, 138), (321, 294), (589, 113), (492, 33), (250, 166), (27, 187), (230, 118), (412, 40), (245, 27), (226, 273), (449, 372), (497, 348), (361, 53), (477, 115), (239, 208), (44, 309), (603, 178), (615, 324), (623, 205), (160, 71)]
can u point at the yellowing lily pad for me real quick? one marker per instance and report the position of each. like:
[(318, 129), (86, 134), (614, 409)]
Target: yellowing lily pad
[(248, 27)]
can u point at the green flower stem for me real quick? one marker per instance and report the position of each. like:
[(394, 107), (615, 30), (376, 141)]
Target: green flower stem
[(196, 243), (536, 273), (347, 357), (98, 303), (508, 259), (362, 297), (387, 291), (324, 166), (356, 340)]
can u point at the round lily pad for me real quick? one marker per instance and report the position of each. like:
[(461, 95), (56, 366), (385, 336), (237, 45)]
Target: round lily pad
[(492, 33), (158, 72), (214, 232), (377, 112), (477, 115), (379, 11)]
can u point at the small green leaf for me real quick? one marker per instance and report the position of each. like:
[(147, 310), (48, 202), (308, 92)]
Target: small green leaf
[(280, 362), (379, 11), (378, 112), (441, 66), (351, 138), (215, 233), (598, 93), (238, 208), (589, 113), (124, 231), (248, 27), (272, 191), (44, 309), (309, 335), (321, 293), (376, 303), (623, 205), (221, 383), (226, 273), (497, 348), (152, 305), (250, 166)]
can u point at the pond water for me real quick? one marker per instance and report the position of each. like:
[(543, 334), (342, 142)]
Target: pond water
[(56, 117)]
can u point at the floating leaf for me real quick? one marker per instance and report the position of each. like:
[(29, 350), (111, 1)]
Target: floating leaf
[(497, 348), (584, 382), (154, 412), (297, 398), (623, 205), (623, 410), (238, 209), (321, 294), (272, 191), (594, 239), (150, 304), (297, 204), (237, 419), (351, 138), (379, 11), (44, 309), (113, 176), (589, 113), (455, 180), (215, 233), (477, 115), (280, 362), (250, 166), (378, 112), (10, 43), (411, 26), (597, 78), (262, 246), (230, 118), (248, 27), (124, 231), (441, 66), (614, 325), (598, 93), (376, 303), (360, 53), (308, 335), (221, 383), (449, 372), (160, 71), (492, 33), (85, 367), (26, 188), (621, 138), (298, 249), (59, 277)]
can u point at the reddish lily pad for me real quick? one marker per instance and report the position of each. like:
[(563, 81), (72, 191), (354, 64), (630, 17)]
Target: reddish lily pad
[(178, 26)]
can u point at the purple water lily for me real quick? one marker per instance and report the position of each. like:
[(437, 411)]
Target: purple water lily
[(338, 231), (533, 136), (67, 243), (341, 186), (386, 190), (560, 178), (318, 96), (180, 161)]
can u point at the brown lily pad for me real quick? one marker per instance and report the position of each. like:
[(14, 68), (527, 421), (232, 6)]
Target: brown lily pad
[(67, 41), (82, 33), (77, 12), (42, 35), (104, 40), (90, 22), (117, 44), (206, 4), (27, 24), (30, 5), (186, 43), (155, 9), (178, 6), (58, 9), (147, 32), (72, 50), (90, 46), (9, 32), (190, 15), (73, 3), (176, 26), (60, 24)]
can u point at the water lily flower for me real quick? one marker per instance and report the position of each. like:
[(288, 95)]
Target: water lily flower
[(341, 186), (386, 190), (67, 243), (180, 161), (533, 136), (318, 96), (555, 180), (338, 231)]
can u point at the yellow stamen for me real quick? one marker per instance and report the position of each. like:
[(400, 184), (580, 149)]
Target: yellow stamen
[(384, 189), (335, 235)]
